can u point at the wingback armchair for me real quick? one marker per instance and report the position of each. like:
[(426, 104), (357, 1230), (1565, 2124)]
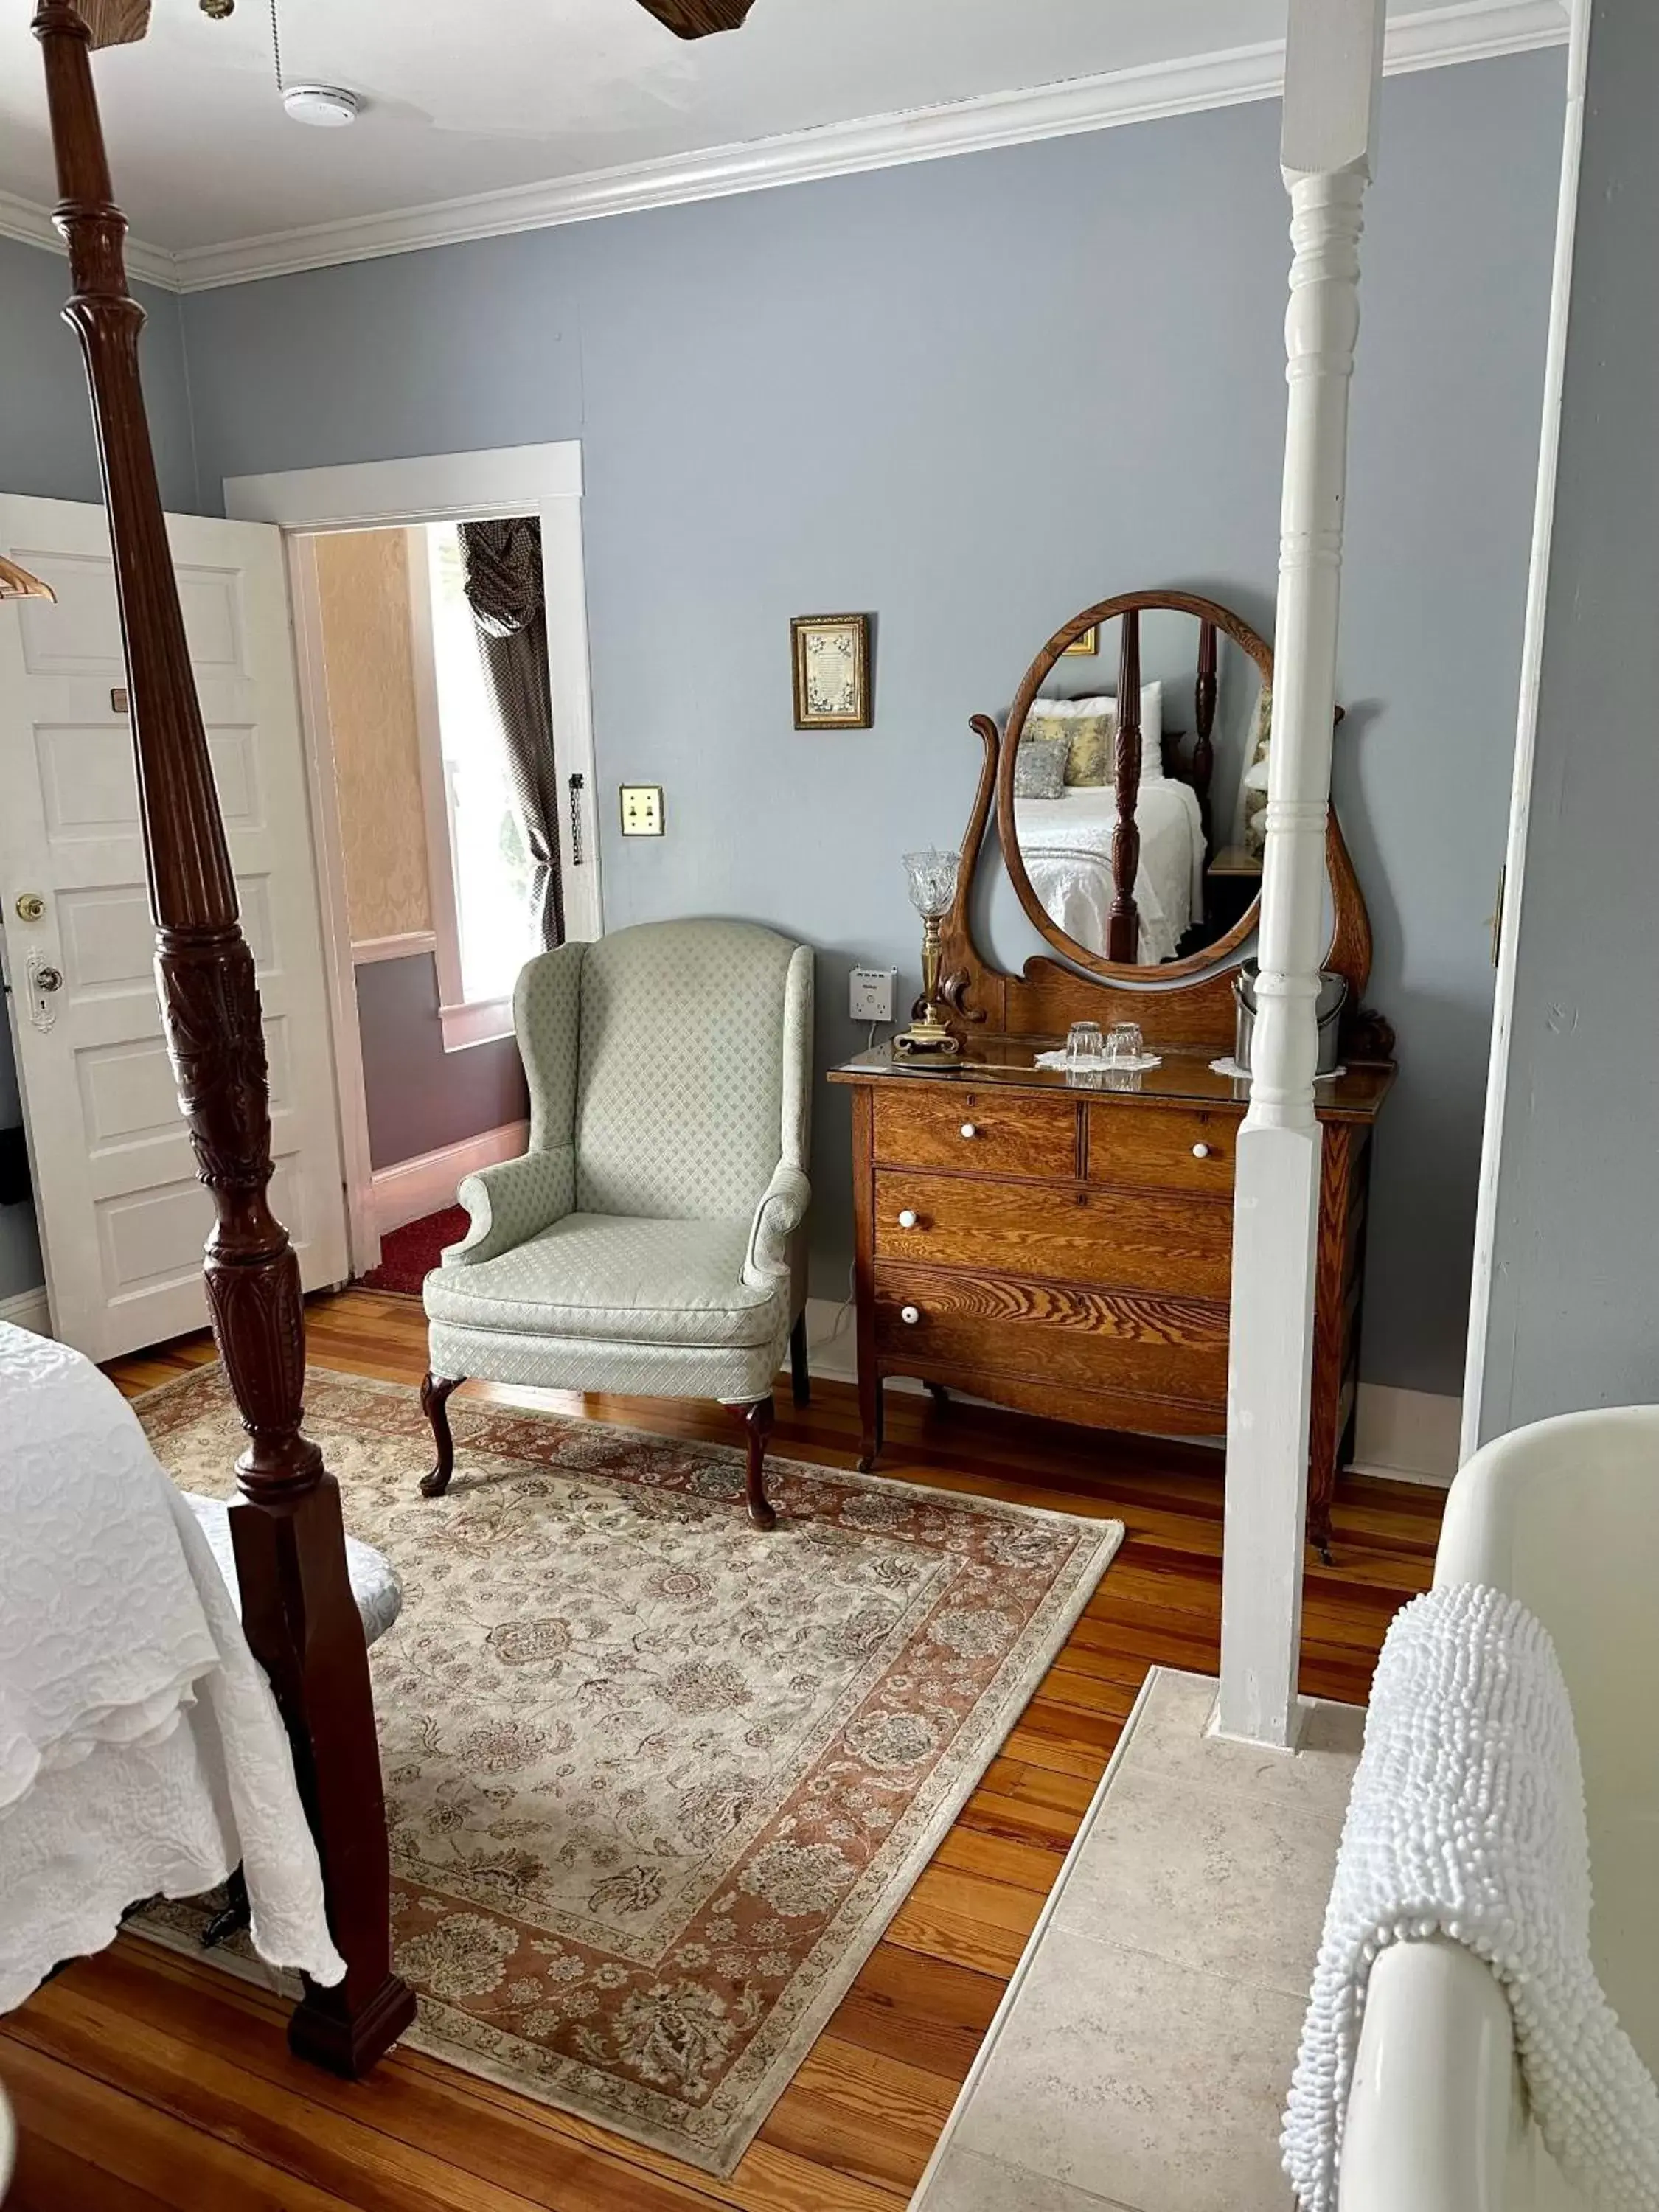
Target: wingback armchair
[(651, 1240)]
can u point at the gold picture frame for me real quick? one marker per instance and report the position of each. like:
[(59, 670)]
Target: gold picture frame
[(1089, 642), (831, 658)]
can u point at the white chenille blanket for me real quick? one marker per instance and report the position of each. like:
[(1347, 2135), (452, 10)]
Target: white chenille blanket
[(1467, 1821)]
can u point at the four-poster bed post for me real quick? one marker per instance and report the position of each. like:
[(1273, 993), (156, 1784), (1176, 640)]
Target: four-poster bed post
[(1123, 922), (1202, 771), (298, 1609), (1333, 75)]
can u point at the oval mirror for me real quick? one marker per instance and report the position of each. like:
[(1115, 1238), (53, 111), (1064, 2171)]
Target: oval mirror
[(1133, 837)]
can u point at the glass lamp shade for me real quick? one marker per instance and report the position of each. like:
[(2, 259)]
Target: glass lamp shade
[(933, 881)]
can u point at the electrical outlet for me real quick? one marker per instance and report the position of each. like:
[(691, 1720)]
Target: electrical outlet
[(642, 809), (873, 994)]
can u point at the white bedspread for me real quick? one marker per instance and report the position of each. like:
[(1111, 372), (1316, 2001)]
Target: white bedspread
[(1066, 845), (140, 1751)]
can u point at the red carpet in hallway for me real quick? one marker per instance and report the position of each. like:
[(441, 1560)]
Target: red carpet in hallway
[(410, 1254)]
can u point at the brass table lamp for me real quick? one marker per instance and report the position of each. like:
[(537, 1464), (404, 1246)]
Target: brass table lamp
[(932, 887)]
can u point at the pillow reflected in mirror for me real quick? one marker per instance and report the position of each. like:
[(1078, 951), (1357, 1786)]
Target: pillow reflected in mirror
[(1040, 766), (1089, 726)]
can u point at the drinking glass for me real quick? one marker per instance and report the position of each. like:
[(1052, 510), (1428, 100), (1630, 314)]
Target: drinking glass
[(1123, 1044), (1083, 1042)]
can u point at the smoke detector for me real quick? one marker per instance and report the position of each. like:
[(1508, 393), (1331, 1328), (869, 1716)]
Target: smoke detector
[(326, 106)]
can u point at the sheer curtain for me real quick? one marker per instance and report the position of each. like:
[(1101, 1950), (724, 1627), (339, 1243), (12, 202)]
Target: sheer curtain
[(503, 566)]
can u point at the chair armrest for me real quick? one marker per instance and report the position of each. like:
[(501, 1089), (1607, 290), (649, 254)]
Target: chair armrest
[(512, 1200), (781, 1211)]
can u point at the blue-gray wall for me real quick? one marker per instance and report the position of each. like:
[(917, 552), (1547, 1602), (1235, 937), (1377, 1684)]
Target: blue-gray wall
[(1576, 1241), (47, 450), (971, 396)]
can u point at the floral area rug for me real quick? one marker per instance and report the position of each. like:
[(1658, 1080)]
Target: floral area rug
[(656, 1783)]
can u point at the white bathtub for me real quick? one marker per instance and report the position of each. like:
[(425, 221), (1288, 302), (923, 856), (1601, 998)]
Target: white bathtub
[(1563, 1516)]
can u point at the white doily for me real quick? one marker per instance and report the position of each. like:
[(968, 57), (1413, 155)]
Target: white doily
[(1242, 1074)]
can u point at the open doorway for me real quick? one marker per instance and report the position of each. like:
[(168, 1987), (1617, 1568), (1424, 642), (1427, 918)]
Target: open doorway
[(442, 645)]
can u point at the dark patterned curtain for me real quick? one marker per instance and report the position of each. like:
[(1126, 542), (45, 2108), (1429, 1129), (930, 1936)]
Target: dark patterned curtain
[(503, 565)]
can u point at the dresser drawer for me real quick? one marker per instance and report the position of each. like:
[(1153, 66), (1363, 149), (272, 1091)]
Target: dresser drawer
[(1162, 1147), (1119, 1240), (978, 1132), (1123, 1341)]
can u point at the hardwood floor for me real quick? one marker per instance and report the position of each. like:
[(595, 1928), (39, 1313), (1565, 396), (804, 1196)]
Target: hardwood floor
[(142, 2081)]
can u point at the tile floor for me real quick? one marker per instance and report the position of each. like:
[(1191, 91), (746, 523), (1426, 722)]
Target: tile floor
[(1141, 2060)]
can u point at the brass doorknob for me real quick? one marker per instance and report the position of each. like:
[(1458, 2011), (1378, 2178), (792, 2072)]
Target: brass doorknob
[(30, 906)]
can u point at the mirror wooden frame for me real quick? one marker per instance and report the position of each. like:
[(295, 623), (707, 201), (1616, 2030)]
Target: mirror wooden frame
[(1187, 1002)]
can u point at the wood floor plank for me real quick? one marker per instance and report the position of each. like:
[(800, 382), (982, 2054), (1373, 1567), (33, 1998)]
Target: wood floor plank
[(148, 2082), (930, 2012), (138, 2147)]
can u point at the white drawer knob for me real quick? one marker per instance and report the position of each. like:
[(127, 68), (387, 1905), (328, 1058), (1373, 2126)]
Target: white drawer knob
[(1201, 1151), (968, 1129), (910, 1314), (907, 1219)]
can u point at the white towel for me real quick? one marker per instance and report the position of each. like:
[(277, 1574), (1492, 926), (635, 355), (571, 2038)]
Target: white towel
[(1467, 1821)]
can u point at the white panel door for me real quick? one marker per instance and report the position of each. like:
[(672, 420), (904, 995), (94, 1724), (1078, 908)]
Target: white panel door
[(122, 1218)]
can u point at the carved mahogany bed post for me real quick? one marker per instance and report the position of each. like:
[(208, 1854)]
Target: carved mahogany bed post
[(1204, 699), (1123, 923), (298, 1609)]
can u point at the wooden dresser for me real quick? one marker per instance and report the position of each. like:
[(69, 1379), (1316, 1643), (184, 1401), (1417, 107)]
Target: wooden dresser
[(1060, 1242), (1068, 1250)]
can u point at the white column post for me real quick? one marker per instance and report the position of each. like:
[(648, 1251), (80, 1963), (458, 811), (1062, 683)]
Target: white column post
[(1332, 74)]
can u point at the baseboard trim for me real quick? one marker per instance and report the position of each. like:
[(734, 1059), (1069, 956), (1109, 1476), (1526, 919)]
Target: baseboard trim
[(1408, 1435), (29, 1310), (1401, 1435), (428, 1183)]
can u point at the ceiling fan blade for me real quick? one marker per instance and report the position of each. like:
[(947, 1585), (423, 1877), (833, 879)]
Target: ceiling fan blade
[(697, 19), (114, 22)]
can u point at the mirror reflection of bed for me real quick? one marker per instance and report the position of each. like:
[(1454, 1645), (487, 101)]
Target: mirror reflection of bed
[(1138, 832)]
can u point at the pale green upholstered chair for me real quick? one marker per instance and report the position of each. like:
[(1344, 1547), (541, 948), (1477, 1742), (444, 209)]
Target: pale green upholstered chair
[(651, 1241)]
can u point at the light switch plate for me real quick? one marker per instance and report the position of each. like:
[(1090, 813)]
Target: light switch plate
[(873, 994), (642, 809)]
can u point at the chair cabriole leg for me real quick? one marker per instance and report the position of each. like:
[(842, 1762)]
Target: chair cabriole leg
[(757, 1420), (435, 1404)]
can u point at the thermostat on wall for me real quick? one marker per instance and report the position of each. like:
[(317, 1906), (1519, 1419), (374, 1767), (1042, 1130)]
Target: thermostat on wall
[(642, 809)]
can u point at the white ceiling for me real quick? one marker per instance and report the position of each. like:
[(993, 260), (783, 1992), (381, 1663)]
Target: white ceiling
[(468, 96)]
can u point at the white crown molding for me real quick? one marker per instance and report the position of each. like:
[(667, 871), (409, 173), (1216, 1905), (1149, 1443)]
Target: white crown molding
[(1474, 30), (32, 225)]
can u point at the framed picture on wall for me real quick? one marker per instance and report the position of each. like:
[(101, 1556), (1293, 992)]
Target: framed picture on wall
[(1089, 642), (831, 655)]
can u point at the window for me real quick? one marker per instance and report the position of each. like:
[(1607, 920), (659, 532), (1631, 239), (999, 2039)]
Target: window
[(482, 870), (490, 857)]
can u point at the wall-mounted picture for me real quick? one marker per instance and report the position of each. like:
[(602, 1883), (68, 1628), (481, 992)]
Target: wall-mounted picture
[(1089, 642), (832, 672)]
